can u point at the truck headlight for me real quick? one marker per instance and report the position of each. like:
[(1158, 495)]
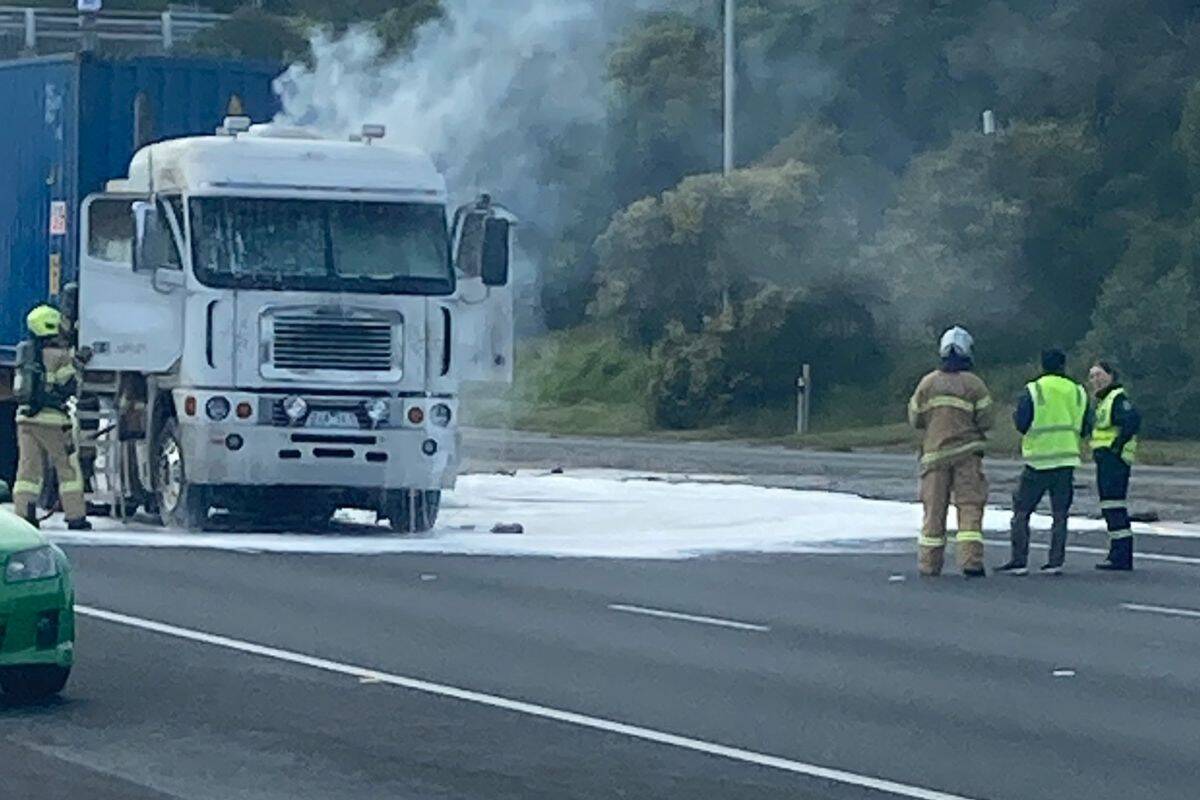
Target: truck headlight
[(377, 409), (217, 408), (440, 414), (31, 565), (295, 407)]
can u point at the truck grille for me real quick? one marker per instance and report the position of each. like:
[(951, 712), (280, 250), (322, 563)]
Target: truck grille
[(305, 342)]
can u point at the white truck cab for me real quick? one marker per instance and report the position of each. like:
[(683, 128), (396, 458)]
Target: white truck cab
[(279, 324)]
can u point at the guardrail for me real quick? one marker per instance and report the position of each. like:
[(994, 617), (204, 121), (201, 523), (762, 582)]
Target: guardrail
[(55, 26)]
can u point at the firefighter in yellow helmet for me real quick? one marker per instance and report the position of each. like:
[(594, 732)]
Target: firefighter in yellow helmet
[(953, 407), (47, 378)]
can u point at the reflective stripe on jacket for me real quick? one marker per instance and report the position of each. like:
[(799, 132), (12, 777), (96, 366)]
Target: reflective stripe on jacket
[(953, 409), (1059, 409)]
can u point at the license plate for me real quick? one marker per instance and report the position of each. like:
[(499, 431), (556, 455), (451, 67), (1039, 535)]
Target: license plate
[(332, 419)]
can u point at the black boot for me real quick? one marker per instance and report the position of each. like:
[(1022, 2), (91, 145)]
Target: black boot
[(1120, 556), (80, 524)]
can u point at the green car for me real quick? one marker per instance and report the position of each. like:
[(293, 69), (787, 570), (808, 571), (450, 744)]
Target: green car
[(37, 612)]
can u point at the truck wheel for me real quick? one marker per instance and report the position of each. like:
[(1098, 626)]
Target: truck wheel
[(35, 682), (180, 504), (413, 517)]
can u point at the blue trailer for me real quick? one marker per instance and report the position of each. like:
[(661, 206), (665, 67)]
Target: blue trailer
[(71, 123)]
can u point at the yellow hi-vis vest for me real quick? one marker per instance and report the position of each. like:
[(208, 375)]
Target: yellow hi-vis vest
[(1105, 432), (1059, 407)]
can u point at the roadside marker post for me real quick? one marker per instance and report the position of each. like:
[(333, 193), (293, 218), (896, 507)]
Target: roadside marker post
[(803, 395)]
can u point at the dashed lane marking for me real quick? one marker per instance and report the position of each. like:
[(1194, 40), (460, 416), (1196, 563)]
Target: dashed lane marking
[(681, 617), (738, 754), (1167, 610)]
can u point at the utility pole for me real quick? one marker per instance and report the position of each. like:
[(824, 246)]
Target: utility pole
[(730, 84)]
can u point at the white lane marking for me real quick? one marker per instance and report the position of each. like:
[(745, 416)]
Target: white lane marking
[(1063, 673), (1099, 551), (657, 612), (1174, 612), (529, 709)]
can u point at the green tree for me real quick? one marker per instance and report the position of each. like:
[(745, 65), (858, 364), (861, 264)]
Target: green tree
[(397, 26), (254, 33), (681, 256), (950, 249), (666, 106), (1147, 321)]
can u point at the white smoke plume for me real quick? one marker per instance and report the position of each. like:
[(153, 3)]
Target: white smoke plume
[(492, 91)]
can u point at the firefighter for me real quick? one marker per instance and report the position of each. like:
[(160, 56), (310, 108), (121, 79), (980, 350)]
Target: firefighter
[(1052, 416), (47, 378), (954, 409), (1114, 446)]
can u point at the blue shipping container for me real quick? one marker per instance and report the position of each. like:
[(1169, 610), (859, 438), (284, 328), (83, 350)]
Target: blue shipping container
[(71, 124)]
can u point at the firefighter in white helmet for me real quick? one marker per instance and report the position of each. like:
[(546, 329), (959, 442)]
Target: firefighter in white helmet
[(953, 407)]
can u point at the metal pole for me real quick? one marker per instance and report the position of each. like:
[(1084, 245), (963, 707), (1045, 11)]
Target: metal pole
[(88, 39), (730, 84), (30, 30), (168, 33)]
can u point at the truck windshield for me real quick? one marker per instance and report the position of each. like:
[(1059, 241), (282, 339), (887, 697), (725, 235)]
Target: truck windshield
[(317, 245)]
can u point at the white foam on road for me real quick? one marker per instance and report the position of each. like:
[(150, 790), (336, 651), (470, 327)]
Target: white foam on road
[(589, 514)]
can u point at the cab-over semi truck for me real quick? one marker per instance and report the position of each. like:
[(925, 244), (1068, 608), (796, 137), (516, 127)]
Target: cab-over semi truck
[(278, 322)]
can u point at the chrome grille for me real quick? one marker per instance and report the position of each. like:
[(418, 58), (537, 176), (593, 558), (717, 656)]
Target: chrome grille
[(314, 342)]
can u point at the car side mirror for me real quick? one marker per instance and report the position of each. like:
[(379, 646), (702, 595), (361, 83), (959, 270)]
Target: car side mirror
[(152, 241), (495, 257)]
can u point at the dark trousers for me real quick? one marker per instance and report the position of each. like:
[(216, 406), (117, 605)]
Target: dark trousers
[(1035, 483), (1112, 482)]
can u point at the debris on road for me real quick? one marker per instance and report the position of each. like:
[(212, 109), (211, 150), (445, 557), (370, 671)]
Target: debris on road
[(508, 527), (1064, 673), (896, 578)]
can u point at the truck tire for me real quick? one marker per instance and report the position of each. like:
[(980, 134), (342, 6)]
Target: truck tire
[(34, 682), (408, 517), (180, 504)]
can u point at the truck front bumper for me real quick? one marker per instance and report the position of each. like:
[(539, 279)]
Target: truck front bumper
[(234, 454)]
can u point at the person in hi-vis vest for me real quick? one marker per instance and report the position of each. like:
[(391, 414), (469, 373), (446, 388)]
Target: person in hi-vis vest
[(1053, 417), (1114, 447)]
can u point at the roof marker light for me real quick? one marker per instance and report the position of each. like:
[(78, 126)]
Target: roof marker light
[(370, 132), (232, 126)]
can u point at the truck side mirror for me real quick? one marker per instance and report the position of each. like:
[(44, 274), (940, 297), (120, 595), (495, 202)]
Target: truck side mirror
[(495, 257), (152, 241)]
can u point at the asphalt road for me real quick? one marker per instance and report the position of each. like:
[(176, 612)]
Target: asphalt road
[(945, 688), (1171, 493)]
